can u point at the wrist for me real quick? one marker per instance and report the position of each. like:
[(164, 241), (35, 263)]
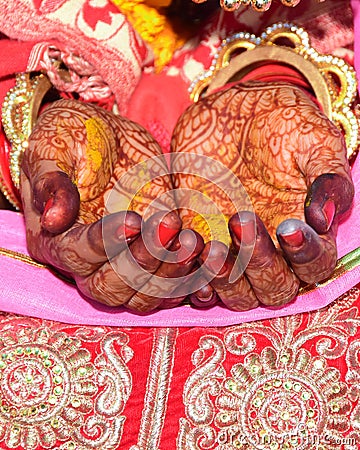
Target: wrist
[(330, 80)]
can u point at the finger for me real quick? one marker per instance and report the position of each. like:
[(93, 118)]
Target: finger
[(205, 297), (116, 281), (169, 281), (202, 294), (169, 303), (321, 147), (272, 280), (175, 301), (57, 199), (218, 264), (41, 243), (329, 196), (312, 257), (84, 248)]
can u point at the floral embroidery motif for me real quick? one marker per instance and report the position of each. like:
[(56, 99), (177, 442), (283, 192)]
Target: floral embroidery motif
[(284, 390), (52, 393)]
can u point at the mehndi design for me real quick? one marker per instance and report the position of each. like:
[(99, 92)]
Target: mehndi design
[(270, 142), (278, 143)]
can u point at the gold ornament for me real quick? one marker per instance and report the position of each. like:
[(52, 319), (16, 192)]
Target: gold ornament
[(332, 80), (19, 114)]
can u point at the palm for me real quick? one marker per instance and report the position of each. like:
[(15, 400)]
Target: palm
[(95, 149), (75, 228), (273, 138)]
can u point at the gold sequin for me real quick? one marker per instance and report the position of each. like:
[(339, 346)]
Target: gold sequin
[(48, 382), (278, 396)]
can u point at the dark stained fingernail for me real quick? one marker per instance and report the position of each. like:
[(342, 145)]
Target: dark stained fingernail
[(127, 232), (166, 234), (294, 239), (49, 204), (245, 232), (329, 210), (201, 302)]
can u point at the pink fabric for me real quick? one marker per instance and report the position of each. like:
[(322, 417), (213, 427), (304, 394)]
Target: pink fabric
[(38, 292)]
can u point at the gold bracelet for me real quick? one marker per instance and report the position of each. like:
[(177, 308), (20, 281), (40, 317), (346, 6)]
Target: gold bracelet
[(332, 80), (19, 114)]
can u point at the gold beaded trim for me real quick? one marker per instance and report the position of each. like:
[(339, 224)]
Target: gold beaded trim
[(331, 78), (257, 5), (19, 113)]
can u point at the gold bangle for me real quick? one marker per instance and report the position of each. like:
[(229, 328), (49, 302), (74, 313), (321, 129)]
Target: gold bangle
[(19, 113), (333, 80)]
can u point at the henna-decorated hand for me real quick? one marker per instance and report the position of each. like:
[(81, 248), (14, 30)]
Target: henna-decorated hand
[(292, 163), (77, 153)]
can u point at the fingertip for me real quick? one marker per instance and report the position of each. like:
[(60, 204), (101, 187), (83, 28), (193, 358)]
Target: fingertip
[(312, 257), (298, 240), (242, 228), (188, 246), (329, 197), (60, 212), (215, 258), (164, 226), (115, 231), (128, 225), (204, 298), (58, 201)]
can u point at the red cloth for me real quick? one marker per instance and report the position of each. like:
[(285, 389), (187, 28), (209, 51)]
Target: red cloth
[(14, 57), (288, 380)]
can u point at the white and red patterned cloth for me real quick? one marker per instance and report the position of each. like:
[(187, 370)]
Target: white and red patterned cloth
[(77, 376)]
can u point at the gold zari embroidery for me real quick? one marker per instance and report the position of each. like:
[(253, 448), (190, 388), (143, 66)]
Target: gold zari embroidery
[(21, 257), (276, 394), (54, 394), (157, 389)]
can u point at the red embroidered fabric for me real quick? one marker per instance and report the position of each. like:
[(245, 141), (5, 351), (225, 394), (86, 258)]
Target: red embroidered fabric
[(291, 382), (287, 383)]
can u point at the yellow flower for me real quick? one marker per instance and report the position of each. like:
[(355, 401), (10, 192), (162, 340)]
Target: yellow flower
[(153, 26)]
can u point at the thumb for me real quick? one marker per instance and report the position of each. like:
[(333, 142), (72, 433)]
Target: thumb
[(57, 199), (329, 197)]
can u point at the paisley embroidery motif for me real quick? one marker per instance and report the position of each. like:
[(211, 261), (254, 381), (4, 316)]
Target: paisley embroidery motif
[(282, 389), (52, 393)]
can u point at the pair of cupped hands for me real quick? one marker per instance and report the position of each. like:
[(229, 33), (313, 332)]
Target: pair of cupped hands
[(260, 161)]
